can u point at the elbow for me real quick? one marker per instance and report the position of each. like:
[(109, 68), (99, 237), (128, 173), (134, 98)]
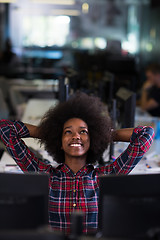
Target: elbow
[(150, 131), (149, 134)]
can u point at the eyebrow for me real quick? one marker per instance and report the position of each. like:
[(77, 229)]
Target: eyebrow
[(71, 127)]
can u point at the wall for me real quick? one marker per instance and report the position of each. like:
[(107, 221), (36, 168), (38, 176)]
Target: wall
[(150, 36)]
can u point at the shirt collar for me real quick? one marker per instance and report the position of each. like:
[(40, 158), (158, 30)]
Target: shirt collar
[(84, 170)]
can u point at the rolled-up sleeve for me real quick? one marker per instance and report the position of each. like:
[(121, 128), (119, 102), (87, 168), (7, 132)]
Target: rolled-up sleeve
[(140, 142), (11, 133)]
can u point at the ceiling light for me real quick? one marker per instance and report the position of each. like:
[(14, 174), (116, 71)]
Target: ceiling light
[(7, 1), (85, 7), (68, 12), (56, 2)]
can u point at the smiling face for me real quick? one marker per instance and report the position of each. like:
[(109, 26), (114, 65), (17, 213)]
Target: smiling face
[(75, 138)]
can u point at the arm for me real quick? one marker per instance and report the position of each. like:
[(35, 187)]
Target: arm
[(122, 135), (33, 130), (140, 142), (11, 133)]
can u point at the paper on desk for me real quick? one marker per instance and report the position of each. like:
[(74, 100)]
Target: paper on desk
[(7, 164)]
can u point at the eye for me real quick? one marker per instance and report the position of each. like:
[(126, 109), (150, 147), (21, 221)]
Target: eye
[(84, 131), (67, 132)]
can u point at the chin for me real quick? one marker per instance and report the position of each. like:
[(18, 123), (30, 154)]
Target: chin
[(78, 155)]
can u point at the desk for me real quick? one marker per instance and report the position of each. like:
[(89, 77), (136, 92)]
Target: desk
[(34, 85), (149, 164), (145, 119), (34, 111), (36, 108), (36, 88), (7, 164), (21, 90)]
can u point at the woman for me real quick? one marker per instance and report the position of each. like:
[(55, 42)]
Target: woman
[(75, 133)]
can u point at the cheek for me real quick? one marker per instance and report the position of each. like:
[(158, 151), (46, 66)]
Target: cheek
[(88, 142)]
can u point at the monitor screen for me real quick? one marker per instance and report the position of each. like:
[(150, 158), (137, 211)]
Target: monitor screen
[(41, 53), (155, 3), (126, 105), (129, 206), (42, 234), (106, 88), (23, 201)]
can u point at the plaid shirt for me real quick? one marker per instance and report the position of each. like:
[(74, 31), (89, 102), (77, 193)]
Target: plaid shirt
[(68, 191)]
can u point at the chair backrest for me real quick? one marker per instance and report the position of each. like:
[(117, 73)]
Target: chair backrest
[(4, 86), (4, 112)]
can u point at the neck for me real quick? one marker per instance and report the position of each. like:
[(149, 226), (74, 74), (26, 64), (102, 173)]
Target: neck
[(75, 163)]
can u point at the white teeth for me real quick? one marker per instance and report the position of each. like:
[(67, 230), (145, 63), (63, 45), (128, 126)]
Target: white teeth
[(75, 145)]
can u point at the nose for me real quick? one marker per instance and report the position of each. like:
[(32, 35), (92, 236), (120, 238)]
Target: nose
[(76, 135)]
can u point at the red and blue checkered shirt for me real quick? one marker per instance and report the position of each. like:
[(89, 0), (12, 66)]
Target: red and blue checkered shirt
[(68, 191)]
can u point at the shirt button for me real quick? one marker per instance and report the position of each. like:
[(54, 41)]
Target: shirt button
[(74, 190), (74, 205)]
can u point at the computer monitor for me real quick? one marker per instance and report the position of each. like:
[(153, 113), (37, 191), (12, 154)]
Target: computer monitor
[(126, 105), (23, 200), (129, 206), (63, 89), (40, 234), (106, 88)]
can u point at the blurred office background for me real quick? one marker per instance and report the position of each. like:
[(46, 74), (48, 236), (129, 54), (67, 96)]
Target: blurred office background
[(44, 41)]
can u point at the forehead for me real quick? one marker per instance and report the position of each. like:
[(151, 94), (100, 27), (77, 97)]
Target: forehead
[(75, 122)]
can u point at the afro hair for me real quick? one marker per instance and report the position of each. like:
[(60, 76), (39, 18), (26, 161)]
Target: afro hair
[(87, 108)]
